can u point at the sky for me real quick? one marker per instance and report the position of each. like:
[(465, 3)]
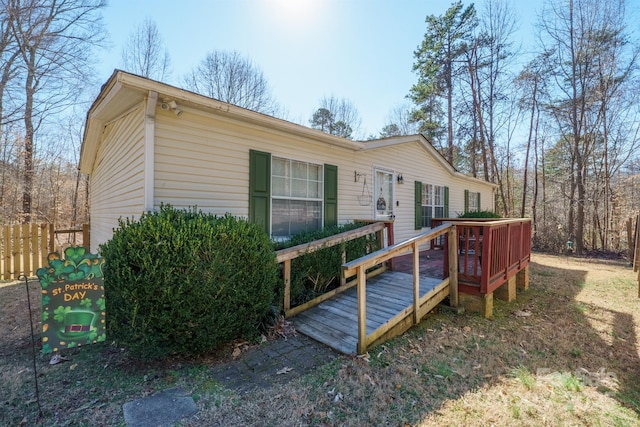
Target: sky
[(361, 50)]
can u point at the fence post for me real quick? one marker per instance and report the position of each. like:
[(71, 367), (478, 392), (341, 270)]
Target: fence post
[(26, 250), (6, 274), (35, 253), (52, 238), (44, 246), (86, 237), (16, 251)]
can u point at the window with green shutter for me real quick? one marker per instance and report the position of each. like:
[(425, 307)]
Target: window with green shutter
[(418, 205), (289, 196), (330, 195), (431, 201), (471, 201), (259, 188)]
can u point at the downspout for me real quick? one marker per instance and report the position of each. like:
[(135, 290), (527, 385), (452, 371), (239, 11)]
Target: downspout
[(149, 150)]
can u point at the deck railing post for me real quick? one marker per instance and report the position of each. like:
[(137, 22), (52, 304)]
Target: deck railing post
[(343, 279), (510, 251), (453, 266), (362, 309), (287, 285), (487, 257), (416, 283)]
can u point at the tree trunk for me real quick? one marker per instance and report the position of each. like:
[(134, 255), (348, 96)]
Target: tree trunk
[(28, 140), (526, 157)]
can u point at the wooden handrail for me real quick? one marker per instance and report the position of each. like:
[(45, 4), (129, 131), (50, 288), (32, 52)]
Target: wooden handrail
[(468, 222), (360, 266), (305, 248), (285, 256), (382, 255)]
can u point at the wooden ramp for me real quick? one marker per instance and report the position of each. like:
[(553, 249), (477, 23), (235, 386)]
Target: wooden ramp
[(334, 322)]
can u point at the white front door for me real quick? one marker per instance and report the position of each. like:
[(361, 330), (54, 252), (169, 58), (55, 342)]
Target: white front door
[(383, 201)]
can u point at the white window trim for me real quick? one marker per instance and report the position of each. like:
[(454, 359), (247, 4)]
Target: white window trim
[(431, 203), (309, 199)]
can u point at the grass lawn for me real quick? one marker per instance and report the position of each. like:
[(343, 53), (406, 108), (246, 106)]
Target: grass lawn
[(566, 352)]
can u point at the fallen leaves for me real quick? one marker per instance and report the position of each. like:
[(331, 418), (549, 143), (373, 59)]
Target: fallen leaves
[(239, 348), (58, 358), (522, 313), (336, 396), (284, 370), (283, 328)]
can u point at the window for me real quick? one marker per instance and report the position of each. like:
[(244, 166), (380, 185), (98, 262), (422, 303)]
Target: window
[(296, 197), (433, 203), (471, 201)]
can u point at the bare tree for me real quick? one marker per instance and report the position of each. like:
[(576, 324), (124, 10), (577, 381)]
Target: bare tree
[(54, 40), (144, 52), (400, 121), (337, 116), (232, 78), (587, 38)]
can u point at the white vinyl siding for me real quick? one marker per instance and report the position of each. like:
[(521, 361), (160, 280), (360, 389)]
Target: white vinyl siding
[(202, 160), (117, 181)]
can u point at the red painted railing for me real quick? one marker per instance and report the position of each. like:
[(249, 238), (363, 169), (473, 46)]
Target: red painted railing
[(490, 251)]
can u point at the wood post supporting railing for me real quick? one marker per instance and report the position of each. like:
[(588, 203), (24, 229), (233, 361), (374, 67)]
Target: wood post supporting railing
[(362, 309), (285, 256), (360, 266), (453, 266)]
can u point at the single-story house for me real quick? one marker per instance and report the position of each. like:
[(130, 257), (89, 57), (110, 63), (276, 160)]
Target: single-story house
[(147, 143)]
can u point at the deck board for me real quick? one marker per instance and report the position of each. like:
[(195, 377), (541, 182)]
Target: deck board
[(335, 322)]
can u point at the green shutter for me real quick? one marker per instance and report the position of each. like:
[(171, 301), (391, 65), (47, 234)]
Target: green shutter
[(330, 195), (446, 202), (418, 205), (466, 200), (260, 189), (479, 204)]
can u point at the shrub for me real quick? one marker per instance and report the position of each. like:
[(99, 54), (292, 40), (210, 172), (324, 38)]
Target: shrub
[(479, 214), (181, 282), (314, 273)]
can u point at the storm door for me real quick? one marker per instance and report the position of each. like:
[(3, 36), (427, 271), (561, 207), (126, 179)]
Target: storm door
[(383, 201)]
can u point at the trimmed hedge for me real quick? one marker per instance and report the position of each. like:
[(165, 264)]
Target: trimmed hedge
[(479, 214), (182, 282), (316, 272)]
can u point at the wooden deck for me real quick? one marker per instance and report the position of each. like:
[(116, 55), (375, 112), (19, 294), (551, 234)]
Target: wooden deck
[(389, 295)]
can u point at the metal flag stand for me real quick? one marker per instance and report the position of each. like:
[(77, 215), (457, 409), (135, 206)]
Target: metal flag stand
[(33, 344)]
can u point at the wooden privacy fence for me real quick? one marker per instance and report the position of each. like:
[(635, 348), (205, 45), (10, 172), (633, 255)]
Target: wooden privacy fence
[(24, 248)]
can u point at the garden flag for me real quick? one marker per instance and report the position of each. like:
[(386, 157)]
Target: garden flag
[(73, 307)]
